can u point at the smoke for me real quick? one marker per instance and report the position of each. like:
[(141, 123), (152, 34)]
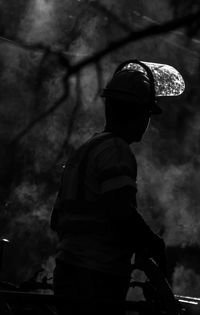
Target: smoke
[(174, 199), (186, 281), (31, 240), (168, 167), (38, 24), (168, 187)]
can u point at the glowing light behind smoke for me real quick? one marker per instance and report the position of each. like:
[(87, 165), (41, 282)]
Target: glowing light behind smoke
[(188, 302), (188, 298), (168, 81), (186, 282), (5, 240), (39, 23)]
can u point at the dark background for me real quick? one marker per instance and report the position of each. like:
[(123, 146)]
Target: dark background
[(39, 127)]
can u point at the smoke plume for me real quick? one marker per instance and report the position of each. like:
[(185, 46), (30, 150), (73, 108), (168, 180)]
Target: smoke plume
[(31, 161)]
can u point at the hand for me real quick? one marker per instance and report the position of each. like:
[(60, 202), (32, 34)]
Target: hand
[(157, 251)]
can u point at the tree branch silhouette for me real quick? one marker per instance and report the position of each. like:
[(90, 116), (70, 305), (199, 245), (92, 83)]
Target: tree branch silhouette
[(134, 36), (101, 8), (72, 117), (154, 30), (137, 35)]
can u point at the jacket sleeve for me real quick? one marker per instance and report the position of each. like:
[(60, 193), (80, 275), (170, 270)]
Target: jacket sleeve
[(126, 220), (116, 166), (117, 172)]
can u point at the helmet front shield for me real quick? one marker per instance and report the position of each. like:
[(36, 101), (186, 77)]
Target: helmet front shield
[(168, 81)]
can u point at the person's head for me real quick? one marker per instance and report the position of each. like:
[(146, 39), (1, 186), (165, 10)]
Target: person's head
[(124, 120), (129, 103)]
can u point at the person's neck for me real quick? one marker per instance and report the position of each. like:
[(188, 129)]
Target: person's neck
[(116, 132)]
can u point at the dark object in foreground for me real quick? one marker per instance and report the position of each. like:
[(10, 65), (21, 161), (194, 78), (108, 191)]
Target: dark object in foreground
[(159, 299)]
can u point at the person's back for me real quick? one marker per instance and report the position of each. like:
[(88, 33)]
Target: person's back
[(90, 235)]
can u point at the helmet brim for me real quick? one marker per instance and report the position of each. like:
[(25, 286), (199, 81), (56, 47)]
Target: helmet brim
[(154, 109)]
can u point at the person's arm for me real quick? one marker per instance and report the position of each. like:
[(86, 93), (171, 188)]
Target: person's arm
[(121, 207), (117, 172)]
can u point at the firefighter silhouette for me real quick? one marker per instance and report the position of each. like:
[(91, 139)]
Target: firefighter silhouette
[(95, 214)]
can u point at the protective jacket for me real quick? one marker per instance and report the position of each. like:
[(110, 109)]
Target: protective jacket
[(96, 224)]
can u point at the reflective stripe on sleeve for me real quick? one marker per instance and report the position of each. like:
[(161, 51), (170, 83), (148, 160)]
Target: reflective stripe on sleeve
[(117, 182)]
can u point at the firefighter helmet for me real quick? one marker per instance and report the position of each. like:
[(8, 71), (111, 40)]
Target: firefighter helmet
[(143, 82)]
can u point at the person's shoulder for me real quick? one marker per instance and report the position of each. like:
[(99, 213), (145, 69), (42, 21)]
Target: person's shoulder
[(91, 147), (115, 149), (101, 141), (121, 144), (124, 152)]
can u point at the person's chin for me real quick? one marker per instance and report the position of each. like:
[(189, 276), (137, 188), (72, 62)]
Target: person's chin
[(135, 139)]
